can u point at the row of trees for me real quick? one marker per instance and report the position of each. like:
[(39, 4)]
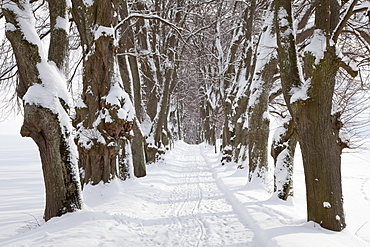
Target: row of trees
[(125, 69), (295, 60), (151, 72)]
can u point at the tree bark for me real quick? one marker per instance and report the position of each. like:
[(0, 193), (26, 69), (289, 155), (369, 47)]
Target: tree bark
[(45, 120), (240, 118), (321, 152), (103, 115), (58, 47), (282, 150), (128, 65), (259, 122), (258, 113)]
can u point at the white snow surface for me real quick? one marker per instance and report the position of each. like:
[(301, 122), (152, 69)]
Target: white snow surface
[(88, 3), (62, 23), (300, 93), (117, 96), (317, 45), (103, 31), (187, 199)]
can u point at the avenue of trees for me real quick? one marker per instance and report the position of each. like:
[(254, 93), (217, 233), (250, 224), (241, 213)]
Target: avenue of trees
[(107, 86)]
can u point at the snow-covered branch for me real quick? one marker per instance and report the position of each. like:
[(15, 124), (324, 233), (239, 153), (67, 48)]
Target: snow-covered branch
[(150, 17)]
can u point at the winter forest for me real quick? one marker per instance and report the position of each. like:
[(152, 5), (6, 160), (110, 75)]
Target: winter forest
[(187, 122)]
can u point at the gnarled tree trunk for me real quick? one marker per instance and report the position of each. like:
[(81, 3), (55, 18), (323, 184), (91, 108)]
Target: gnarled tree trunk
[(46, 121), (104, 114)]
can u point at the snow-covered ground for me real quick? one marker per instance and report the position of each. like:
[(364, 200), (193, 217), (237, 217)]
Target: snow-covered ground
[(187, 199)]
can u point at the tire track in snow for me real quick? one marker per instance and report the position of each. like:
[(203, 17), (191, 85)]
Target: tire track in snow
[(197, 206), (182, 203)]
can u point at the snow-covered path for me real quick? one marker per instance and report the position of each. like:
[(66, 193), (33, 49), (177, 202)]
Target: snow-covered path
[(187, 199), (177, 204), (197, 212)]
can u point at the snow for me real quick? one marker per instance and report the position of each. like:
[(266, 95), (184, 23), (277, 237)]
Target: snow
[(283, 17), (10, 27), (80, 104), (281, 173), (283, 21), (364, 4), (327, 205), (103, 31), (86, 137), (52, 89), (116, 96), (300, 93), (88, 3), (187, 199), (62, 23), (317, 45)]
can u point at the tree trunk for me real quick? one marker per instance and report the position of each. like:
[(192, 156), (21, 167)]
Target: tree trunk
[(321, 151), (147, 63), (161, 118), (46, 121), (138, 151), (316, 133), (132, 85), (258, 120), (282, 150), (62, 185), (104, 113), (240, 118), (258, 114), (58, 48)]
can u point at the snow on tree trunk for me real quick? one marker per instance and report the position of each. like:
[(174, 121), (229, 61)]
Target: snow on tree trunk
[(104, 113), (309, 99), (42, 88), (242, 89), (129, 69), (59, 24), (282, 150), (258, 115)]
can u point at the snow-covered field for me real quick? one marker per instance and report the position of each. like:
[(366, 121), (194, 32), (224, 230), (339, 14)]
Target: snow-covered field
[(187, 199)]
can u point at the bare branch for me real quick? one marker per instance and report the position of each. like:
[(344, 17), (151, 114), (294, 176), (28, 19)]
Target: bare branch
[(343, 23), (349, 69), (151, 17)]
